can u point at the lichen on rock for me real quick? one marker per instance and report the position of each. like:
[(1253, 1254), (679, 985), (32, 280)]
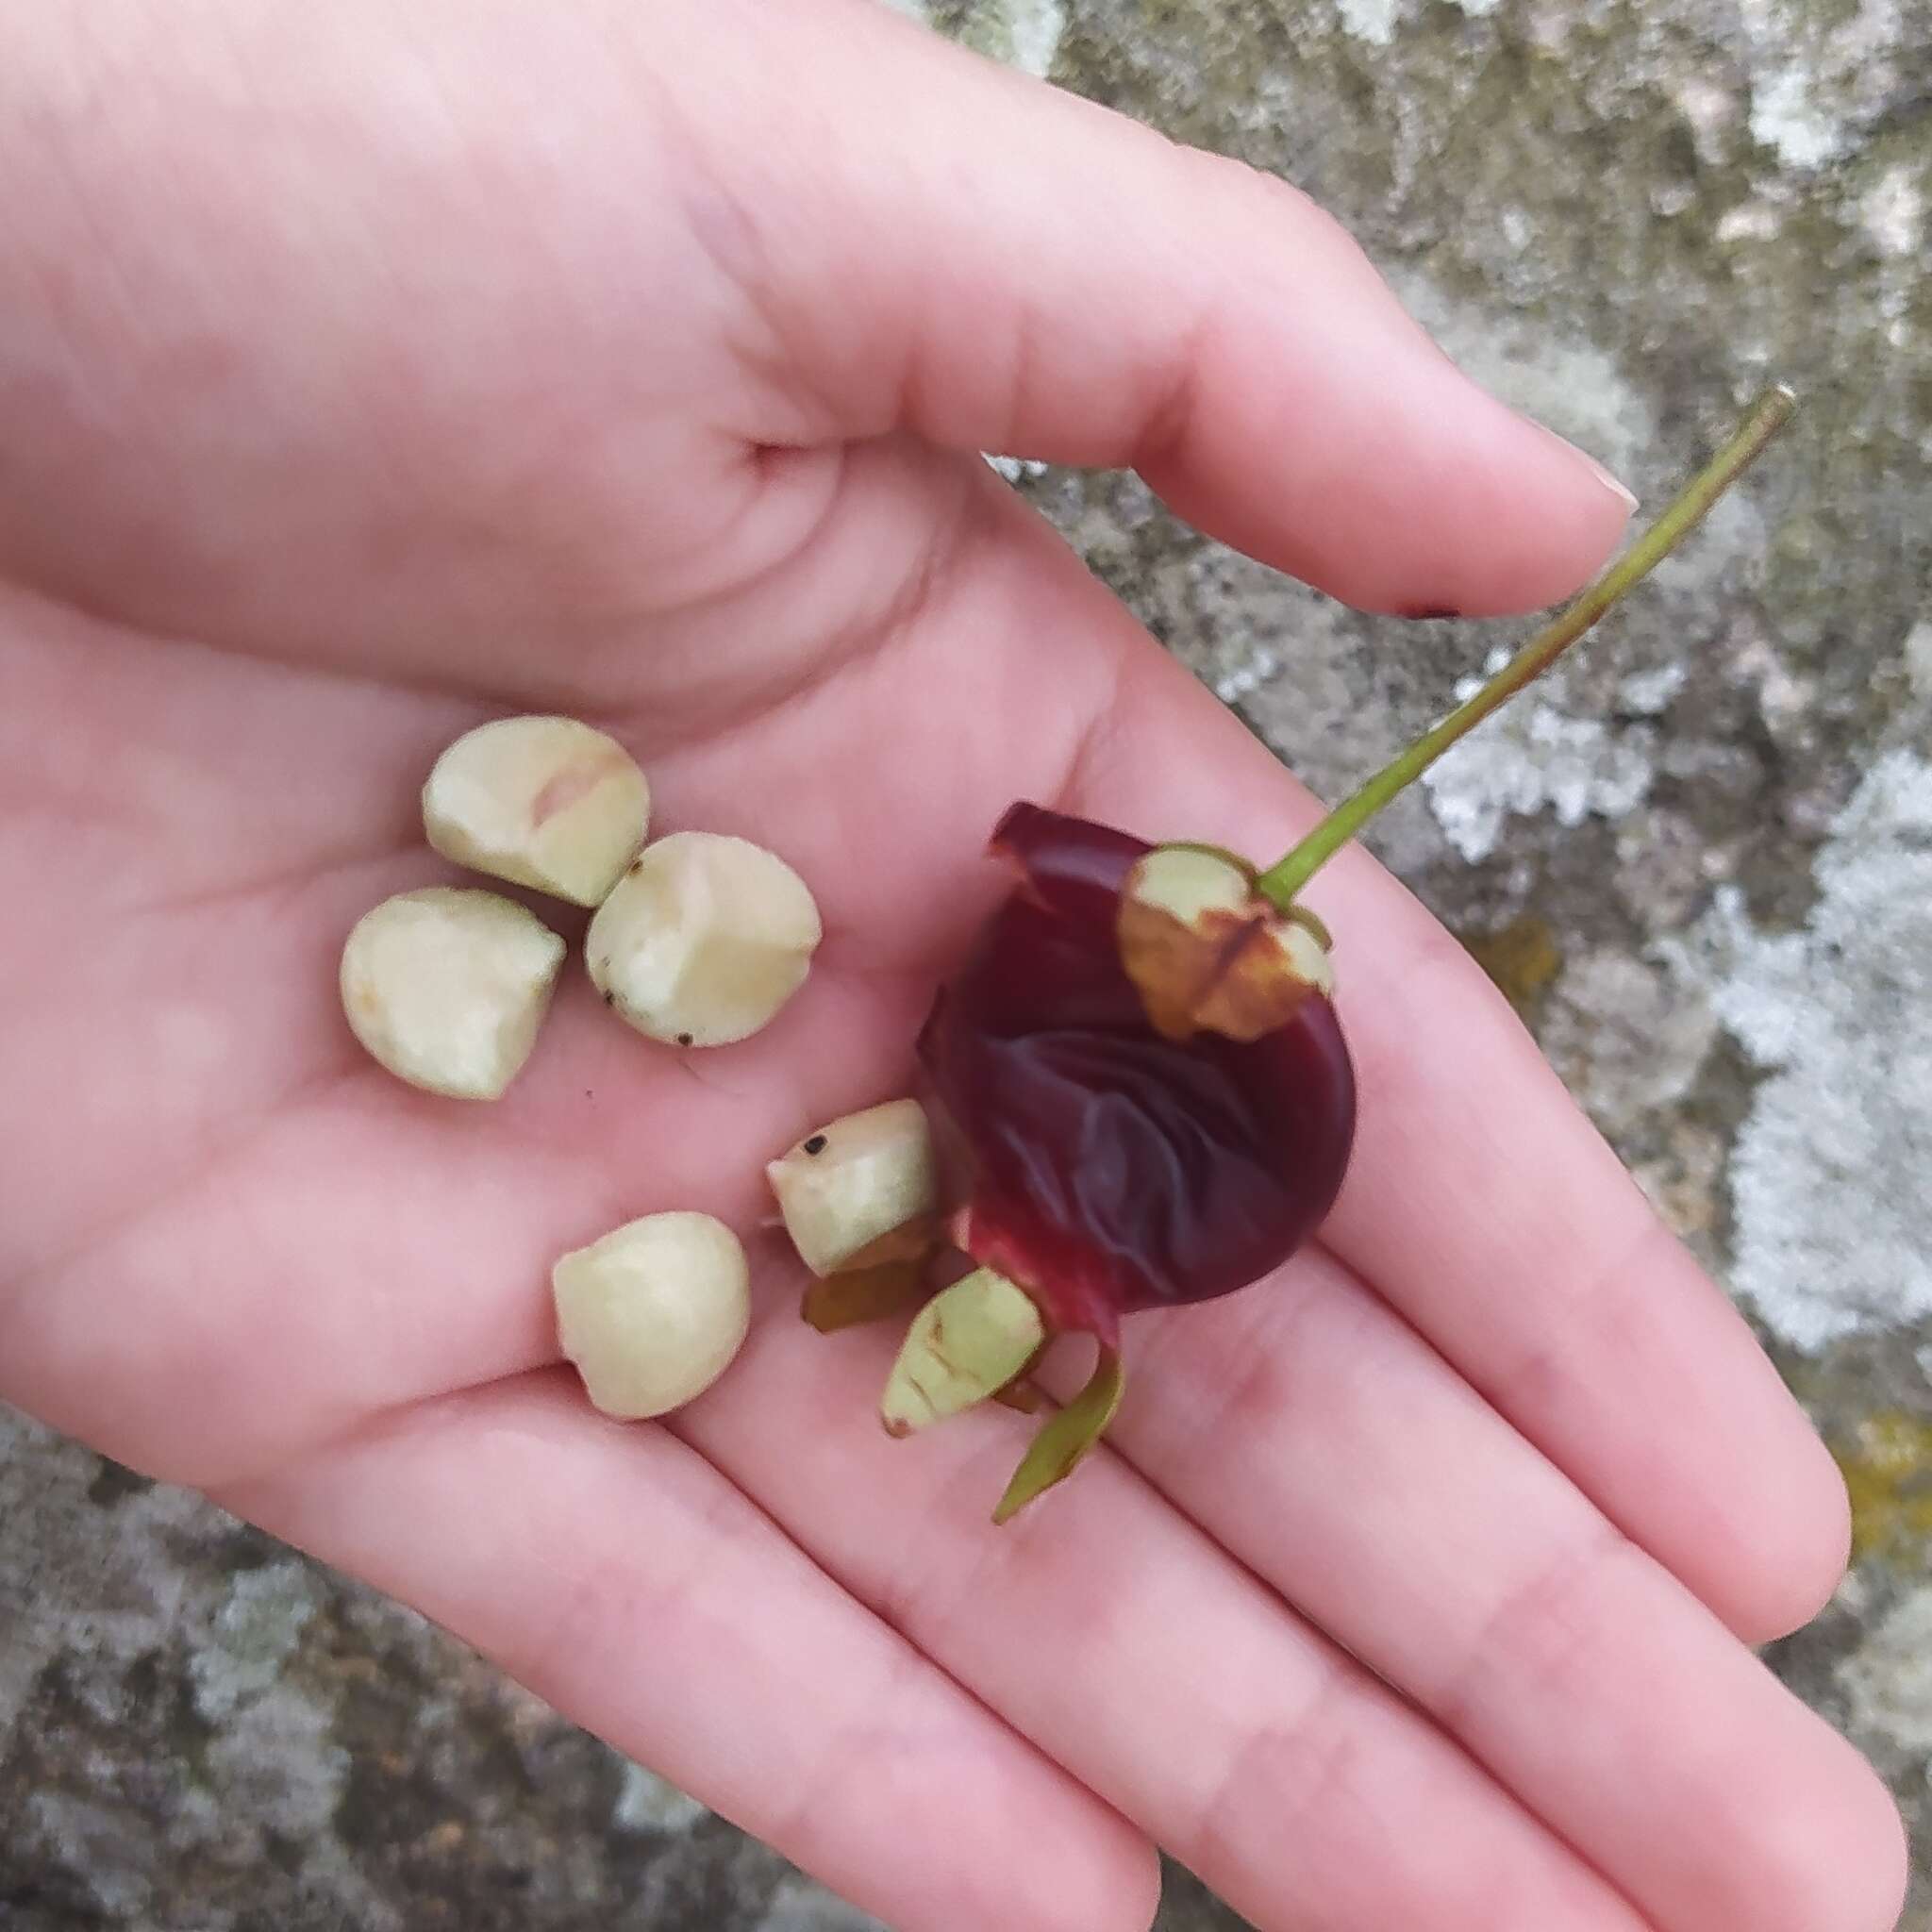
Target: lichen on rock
[(1829, 1170)]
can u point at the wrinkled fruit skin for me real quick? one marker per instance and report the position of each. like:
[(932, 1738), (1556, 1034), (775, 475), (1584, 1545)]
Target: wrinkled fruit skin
[(1104, 1168)]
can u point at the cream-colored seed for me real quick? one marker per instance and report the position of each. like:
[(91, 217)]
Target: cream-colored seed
[(854, 1180), (703, 939), (653, 1313), (544, 802), (447, 987)]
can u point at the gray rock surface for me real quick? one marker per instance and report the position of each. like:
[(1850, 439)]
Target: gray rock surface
[(1700, 859)]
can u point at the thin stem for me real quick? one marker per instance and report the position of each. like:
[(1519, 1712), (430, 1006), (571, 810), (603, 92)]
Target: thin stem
[(1282, 881)]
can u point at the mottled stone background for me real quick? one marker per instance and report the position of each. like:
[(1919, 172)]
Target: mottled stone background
[(1700, 860)]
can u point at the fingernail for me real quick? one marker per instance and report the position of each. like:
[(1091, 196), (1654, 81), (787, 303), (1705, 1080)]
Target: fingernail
[(1625, 495), (1621, 492)]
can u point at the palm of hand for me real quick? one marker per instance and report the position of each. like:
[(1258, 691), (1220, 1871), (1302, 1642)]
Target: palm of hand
[(246, 605)]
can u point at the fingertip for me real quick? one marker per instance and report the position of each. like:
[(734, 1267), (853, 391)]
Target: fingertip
[(1363, 460), (1116, 1889), (1839, 1857), (1140, 1908), (1498, 516), (1887, 1856), (1535, 517), (1621, 493), (1801, 1545), (1768, 1536)]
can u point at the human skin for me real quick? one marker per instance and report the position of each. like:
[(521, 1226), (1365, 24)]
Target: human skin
[(367, 371)]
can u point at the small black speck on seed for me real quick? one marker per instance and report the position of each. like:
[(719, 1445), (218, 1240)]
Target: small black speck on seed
[(816, 1144), (610, 997), (685, 1040)]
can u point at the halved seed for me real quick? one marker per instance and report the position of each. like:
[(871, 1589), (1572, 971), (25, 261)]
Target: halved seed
[(703, 939), (542, 800), (856, 1180), (446, 988), (653, 1313)]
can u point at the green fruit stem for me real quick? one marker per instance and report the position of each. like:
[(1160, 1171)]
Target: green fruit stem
[(1282, 880)]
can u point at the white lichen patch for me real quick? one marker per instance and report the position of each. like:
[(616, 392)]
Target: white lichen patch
[(646, 1802), (1887, 1679), (1025, 34), (1372, 21), (1529, 758), (1787, 116), (1823, 77), (1708, 112), (1893, 213), (1919, 657), (1828, 1173), (1018, 469), (1647, 694), (281, 1750), (1750, 221), (254, 1633), (1034, 29), (1248, 676)]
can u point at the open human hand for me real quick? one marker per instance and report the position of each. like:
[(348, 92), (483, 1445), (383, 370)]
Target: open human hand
[(368, 372)]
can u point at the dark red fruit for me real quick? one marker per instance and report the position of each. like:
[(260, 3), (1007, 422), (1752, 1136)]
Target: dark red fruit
[(1104, 1167), (1139, 1076)]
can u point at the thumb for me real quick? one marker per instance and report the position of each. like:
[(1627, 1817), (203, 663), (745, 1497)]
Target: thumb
[(931, 242)]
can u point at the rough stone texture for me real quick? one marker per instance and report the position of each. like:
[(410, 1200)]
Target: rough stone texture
[(1700, 859)]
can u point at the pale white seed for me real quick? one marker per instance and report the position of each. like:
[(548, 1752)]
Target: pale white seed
[(854, 1180), (653, 1313), (703, 939), (446, 988), (544, 802)]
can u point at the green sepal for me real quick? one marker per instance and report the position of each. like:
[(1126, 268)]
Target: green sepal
[(1062, 1443)]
